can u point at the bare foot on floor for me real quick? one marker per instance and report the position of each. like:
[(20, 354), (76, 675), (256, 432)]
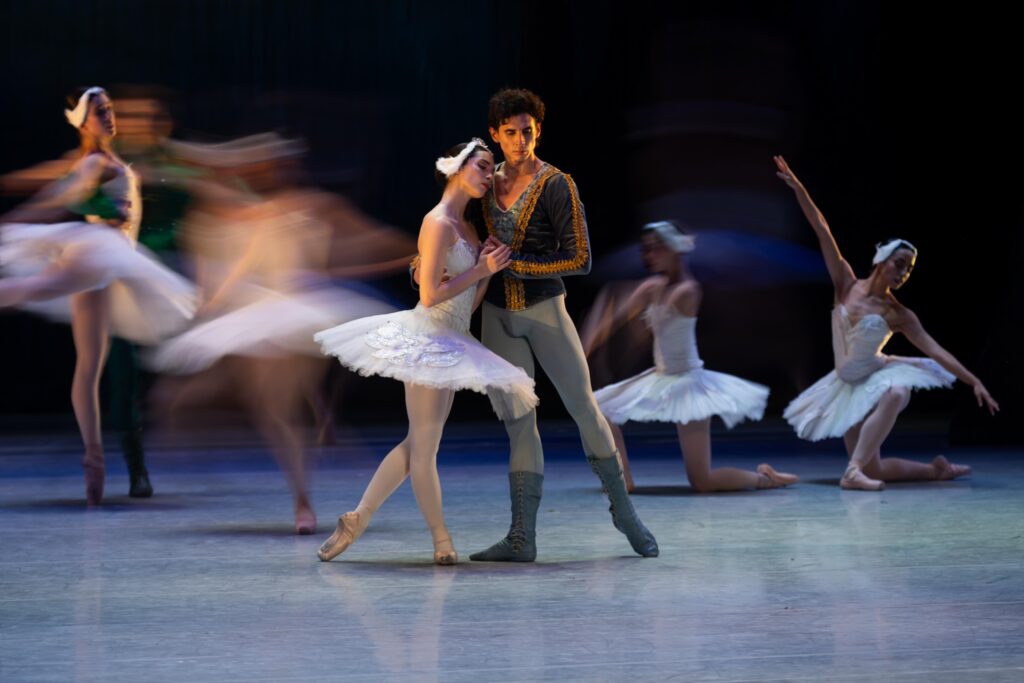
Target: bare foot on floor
[(946, 470)]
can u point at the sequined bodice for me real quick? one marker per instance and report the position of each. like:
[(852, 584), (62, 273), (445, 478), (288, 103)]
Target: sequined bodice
[(456, 311), (858, 348), (505, 221), (675, 339)]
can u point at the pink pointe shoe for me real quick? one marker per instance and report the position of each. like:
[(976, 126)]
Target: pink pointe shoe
[(855, 480), (94, 469)]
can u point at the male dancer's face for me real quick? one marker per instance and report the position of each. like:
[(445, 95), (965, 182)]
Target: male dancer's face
[(517, 136)]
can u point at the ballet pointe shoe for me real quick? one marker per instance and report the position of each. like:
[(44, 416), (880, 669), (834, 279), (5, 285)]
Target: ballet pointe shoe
[(94, 469), (350, 527), (855, 480), (946, 470), (305, 519), (773, 479), (445, 557)]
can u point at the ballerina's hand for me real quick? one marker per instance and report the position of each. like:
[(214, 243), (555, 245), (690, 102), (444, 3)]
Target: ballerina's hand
[(490, 244), (496, 259), (786, 173), (985, 399)]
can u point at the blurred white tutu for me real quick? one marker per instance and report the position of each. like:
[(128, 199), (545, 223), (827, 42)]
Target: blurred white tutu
[(148, 300)]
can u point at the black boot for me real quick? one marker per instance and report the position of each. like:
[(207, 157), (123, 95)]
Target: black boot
[(138, 477), (624, 516), (520, 544)]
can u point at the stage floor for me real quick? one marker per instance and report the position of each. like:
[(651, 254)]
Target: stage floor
[(206, 582)]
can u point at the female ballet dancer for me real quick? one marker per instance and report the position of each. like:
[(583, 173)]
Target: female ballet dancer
[(678, 389), (90, 268), (429, 349), (264, 311), (861, 398)]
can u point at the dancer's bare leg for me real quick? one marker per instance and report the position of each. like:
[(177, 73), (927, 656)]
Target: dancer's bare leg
[(90, 329), (873, 432), (428, 411), (279, 384), (695, 442), (416, 455), (620, 446)]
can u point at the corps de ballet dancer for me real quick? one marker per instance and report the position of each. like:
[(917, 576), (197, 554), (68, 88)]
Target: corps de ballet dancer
[(678, 389), (861, 398)]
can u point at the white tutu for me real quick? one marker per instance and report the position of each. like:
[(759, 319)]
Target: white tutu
[(275, 325), (830, 406), (411, 346), (845, 396), (653, 396), (148, 300), (678, 389)]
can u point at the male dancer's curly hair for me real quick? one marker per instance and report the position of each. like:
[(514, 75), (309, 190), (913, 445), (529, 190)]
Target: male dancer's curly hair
[(509, 102)]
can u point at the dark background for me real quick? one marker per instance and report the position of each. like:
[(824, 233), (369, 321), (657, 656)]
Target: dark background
[(900, 122)]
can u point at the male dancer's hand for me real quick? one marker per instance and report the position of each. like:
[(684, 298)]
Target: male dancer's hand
[(493, 258)]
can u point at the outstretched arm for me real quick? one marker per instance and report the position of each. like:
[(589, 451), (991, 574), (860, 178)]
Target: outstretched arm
[(909, 324), (838, 269), (54, 199), (606, 317)]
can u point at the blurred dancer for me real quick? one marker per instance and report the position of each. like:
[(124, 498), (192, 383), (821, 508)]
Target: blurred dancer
[(678, 389), (862, 397), (112, 286), (429, 349), (264, 307)]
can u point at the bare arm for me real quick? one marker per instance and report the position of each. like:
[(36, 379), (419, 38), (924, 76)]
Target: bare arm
[(434, 242), (838, 269), (909, 324), (611, 317), (54, 199)]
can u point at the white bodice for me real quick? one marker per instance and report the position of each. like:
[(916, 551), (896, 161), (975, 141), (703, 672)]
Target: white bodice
[(675, 339), (858, 348), (456, 311)]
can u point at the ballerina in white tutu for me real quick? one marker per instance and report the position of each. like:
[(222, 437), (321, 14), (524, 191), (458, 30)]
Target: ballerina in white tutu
[(429, 348), (678, 389), (862, 397), (90, 270)]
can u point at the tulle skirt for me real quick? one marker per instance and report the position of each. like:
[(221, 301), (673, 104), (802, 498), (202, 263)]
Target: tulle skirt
[(830, 406), (275, 325), (413, 347), (653, 396), (148, 300)]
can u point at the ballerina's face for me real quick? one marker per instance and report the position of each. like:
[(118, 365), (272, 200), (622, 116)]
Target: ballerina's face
[(475, 175), (896, 269), (100, 122), (658, 258)]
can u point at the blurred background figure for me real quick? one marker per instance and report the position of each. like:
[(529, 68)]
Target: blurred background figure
[(261, 245), (143, 126), (90, 270), (677, 389)]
